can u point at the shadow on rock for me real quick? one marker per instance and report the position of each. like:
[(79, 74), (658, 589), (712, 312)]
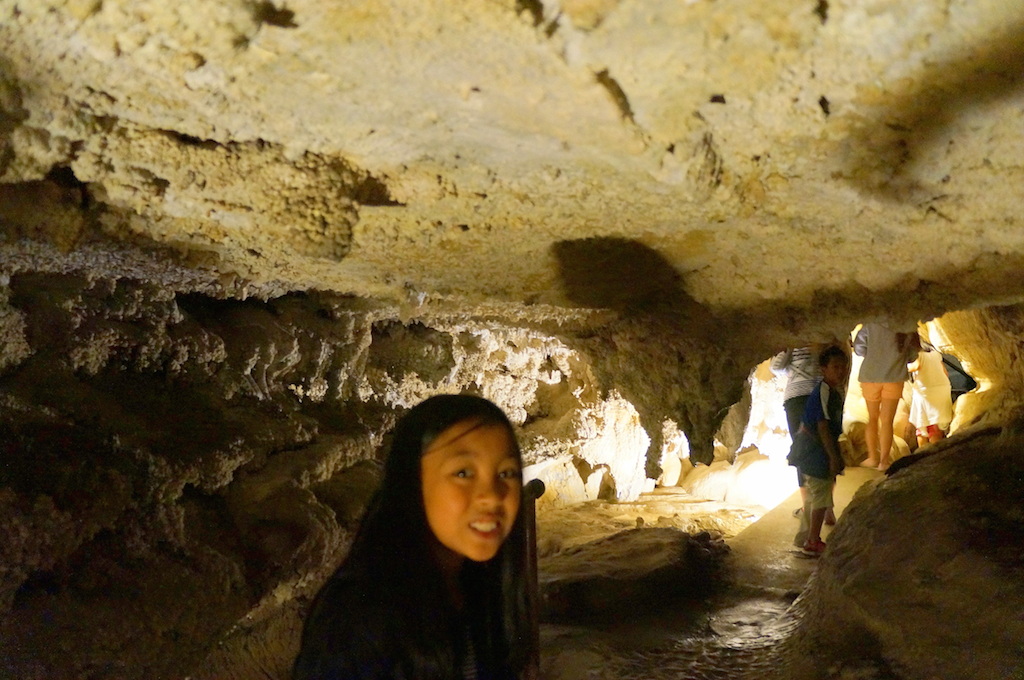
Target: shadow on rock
[(630, 573)]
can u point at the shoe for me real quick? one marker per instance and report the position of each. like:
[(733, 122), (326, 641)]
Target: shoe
[(813, 548), (796, 513)]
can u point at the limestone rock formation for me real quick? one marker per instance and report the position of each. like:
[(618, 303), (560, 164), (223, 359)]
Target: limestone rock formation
[(238, 238), (665, 565), (948, 606)]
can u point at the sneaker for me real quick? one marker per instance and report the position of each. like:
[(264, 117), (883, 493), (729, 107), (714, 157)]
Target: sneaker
[(813, 548)]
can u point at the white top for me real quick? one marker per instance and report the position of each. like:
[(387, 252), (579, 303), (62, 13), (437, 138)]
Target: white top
[(884, 360), (932, 403)]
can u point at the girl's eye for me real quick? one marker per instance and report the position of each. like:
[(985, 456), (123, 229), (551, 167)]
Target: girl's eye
[(464, 473), (510, 474)]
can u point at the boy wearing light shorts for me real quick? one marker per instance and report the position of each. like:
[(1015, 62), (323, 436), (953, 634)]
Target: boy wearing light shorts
[(821, 461)]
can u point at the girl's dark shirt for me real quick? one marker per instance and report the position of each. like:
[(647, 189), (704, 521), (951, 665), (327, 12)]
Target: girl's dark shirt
[(350, 634)]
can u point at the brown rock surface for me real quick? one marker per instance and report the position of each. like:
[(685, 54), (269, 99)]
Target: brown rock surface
[(927, 569), (238, 238)]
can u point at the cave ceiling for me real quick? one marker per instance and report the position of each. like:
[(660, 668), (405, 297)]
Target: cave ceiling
[(550, 156)]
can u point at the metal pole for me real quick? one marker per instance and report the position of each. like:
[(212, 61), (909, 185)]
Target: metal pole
[(531, 492)]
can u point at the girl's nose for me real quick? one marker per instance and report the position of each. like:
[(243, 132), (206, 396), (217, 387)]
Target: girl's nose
[(491, 488)]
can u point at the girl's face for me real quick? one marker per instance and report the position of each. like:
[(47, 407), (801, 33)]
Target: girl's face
[(472, 484)]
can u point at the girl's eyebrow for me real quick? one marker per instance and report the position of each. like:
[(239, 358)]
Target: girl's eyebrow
[(464, 452), (459, 454)]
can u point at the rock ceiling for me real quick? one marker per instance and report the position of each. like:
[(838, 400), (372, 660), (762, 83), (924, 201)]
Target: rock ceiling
[(581, 154)]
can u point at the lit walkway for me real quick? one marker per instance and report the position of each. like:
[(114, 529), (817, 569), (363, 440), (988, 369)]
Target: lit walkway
[(763, 555)]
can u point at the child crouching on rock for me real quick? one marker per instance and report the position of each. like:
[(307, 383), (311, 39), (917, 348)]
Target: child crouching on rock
[(815, 451)]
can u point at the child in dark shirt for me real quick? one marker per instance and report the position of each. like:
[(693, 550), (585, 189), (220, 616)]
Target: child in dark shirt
[(816, 449)]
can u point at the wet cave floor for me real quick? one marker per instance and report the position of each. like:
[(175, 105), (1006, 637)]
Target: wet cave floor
[(731, 632)]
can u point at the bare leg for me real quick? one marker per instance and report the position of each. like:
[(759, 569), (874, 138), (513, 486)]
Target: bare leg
[(910, 436), (830, 515), (803, 502), (886, 414), (871, 434), (817, 518), (801, 534)]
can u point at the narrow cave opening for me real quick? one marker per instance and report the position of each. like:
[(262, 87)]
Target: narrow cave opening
[(736, 627)]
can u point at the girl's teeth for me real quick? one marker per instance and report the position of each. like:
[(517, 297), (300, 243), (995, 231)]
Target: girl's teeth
[(484, 526)]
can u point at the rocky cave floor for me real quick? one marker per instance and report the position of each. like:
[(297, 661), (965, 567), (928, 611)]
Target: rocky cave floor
[(625, 596)]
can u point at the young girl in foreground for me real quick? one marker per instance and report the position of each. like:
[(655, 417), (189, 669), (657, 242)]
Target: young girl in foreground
[(433, 586)]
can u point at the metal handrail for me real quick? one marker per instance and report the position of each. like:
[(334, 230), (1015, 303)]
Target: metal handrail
[(533, 490)]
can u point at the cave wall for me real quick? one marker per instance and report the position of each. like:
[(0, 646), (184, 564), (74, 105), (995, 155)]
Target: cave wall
[(159, 471), (989, 344), (181, 472), (945, 607)]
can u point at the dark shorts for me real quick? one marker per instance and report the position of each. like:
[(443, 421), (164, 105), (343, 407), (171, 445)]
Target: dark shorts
[(794, 414)]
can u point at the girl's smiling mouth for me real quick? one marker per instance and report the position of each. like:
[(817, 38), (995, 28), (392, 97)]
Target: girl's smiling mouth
[(484, 526)]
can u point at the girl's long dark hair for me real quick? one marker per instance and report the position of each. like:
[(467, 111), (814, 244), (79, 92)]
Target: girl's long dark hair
[(391, 566)]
